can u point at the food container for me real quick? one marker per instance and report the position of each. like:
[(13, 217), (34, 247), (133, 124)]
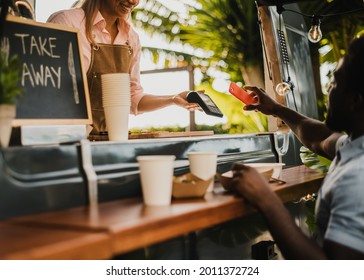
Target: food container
[(267, 170), (189, 186), (265, 167)]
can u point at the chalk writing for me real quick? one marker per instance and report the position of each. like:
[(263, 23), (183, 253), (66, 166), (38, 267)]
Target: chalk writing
[(41, 77), (43, 46), (44, 52)]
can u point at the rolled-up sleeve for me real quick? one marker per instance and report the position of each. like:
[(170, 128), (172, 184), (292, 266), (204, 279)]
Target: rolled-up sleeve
[(137, 91), (75, 18)]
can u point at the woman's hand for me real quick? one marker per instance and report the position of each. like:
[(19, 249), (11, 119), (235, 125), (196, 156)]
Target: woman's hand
[(181, 100)]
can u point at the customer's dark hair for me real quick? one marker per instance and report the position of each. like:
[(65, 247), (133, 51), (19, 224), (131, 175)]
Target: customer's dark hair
[(354, 66)]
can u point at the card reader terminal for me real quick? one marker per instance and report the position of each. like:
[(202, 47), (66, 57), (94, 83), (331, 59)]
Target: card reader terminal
[(205, 102)]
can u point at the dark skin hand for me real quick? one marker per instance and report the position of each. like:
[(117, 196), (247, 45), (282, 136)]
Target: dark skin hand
[(289, 238), (314, 134)]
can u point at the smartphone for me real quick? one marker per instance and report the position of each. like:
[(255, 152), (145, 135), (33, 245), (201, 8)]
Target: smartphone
[(241, 94), (205, 102)]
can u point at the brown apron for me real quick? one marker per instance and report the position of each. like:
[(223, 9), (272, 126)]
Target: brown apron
[(105, 59)]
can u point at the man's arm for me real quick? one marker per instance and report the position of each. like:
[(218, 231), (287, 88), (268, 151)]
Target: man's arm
[(292, 242), (312, 133)]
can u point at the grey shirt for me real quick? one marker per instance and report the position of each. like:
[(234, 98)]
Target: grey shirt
[(340, 205)]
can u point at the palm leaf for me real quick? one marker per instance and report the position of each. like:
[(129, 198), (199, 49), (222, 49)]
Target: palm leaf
[(314, 161)]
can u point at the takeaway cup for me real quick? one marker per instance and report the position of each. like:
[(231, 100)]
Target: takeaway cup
[(203, 165), (156, 174), (117, 120), (115, 89)]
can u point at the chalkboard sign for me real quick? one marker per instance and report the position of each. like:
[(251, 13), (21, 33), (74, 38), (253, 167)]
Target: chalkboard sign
[(55, 87)]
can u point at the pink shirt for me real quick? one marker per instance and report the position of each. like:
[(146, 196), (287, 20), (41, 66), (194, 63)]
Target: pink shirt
[(75, 18)]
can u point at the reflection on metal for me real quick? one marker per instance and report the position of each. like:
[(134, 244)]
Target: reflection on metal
[(90, 173)]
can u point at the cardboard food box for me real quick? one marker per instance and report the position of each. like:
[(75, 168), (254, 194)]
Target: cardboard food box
[(226, 178), (189, 186)]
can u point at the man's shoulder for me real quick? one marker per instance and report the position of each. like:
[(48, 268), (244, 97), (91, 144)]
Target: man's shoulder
[(342, 141)]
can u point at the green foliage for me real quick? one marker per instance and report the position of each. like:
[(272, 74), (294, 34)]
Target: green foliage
[(314, 161), (310, 204), (9, 79), (222, 34), (239, 121)]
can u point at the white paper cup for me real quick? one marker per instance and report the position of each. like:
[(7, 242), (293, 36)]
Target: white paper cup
[(156, 174), (116, 103), (203, 165), (115, 89), (117, 121)]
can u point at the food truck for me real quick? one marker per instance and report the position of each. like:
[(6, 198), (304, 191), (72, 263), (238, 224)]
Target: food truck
[(82, 199)]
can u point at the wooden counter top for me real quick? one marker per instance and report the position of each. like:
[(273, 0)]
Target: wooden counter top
[(130, 225), (19, 242)]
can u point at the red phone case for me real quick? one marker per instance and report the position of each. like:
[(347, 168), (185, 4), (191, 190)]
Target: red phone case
[(241, 94)]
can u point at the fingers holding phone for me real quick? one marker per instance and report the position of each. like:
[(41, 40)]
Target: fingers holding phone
[(265, 103), (242, 95)]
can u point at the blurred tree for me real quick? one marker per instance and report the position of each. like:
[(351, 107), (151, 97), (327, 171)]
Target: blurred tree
[(223, 34), (215, 36)]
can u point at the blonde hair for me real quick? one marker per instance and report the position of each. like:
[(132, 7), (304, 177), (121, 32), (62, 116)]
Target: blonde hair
[(90, 8), (77, 4)]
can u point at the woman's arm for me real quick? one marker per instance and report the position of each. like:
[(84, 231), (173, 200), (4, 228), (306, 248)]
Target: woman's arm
[(154, 102)]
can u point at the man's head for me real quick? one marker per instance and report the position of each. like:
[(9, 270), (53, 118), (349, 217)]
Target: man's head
[(346, 92)]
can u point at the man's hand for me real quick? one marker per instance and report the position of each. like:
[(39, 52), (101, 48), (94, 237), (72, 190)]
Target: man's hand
[(265, 103), (250, 184)]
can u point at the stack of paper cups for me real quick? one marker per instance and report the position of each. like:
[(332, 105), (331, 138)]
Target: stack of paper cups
[(116, 103)]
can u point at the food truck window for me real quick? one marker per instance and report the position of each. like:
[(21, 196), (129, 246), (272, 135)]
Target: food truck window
[(160, 82), (169, 81)]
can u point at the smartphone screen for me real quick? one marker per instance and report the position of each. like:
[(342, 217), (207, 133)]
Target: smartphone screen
[(241, 94)]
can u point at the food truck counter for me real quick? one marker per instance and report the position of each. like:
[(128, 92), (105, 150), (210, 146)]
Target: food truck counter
[(124, 225)]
